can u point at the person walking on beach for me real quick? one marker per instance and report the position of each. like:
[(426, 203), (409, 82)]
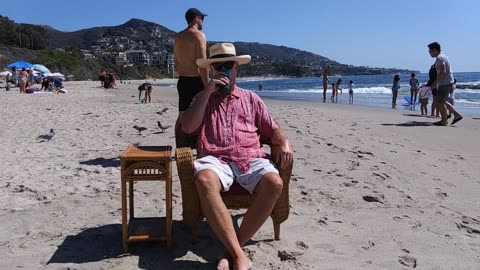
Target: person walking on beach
[(325, 84), (260, 86), (413, 90), (444, 84), (190, 45), (230, 153), (395, 88), (350, 92)]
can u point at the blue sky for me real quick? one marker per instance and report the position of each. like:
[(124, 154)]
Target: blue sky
[(375, 33)]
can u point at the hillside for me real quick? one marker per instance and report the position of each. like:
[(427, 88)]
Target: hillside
[(137, 34)]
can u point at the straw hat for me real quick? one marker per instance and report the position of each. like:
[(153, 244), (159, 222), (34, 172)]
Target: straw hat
[(223, 52)]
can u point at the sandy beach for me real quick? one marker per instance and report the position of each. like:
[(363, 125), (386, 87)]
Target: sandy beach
[(372, 188)]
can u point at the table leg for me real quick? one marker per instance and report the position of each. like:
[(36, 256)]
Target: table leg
[(168, 194), (130, 195), (124, 211)]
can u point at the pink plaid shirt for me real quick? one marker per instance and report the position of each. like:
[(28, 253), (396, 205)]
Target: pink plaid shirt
[(231, 131)]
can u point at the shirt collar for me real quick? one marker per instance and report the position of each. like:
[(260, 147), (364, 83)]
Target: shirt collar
[(235, 92)]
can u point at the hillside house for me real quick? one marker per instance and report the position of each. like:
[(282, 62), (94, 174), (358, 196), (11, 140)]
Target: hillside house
[(138, 57)]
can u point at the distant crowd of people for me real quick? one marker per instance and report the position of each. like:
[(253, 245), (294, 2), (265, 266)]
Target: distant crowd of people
[(440, 86), (25, 80), (107, 79)]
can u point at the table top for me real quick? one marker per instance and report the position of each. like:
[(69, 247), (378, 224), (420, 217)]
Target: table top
[(147, 153)]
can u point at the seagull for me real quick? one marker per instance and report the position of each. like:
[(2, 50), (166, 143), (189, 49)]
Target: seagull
[(139, 129), (162, 127), (47, 136)]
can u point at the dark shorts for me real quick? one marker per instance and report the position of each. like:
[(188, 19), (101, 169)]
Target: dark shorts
[(424, 101), (101, 78), (187, 88), (442, 93)]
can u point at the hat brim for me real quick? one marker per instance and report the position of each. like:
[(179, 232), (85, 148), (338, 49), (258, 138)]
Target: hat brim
[(241, 59)]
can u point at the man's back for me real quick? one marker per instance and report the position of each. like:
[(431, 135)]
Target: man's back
[(188, 47)]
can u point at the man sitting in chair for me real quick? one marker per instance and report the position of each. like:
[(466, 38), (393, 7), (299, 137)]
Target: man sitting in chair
[(229, 122)]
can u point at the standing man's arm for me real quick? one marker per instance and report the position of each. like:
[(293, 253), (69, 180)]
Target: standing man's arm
[(201, 52), (441, 73)]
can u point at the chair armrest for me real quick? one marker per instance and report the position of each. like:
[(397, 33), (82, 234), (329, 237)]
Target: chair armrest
[(190, 200)]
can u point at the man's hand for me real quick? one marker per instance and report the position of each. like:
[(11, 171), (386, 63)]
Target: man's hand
[(283, 154), (216, 82)]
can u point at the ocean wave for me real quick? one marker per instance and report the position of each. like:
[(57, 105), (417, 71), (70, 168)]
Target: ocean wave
[(467, 91), (361, 90), (466, 101)]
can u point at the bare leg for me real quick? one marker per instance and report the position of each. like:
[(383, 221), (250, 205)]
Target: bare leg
[(452, 109), (209, 187), (324, 93), (443, 112), (266, 194)]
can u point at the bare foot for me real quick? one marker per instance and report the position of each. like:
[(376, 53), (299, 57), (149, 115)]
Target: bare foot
[(223, 264), (242, 264)]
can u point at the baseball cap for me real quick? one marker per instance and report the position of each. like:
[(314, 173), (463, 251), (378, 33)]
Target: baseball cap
[(192, 13)]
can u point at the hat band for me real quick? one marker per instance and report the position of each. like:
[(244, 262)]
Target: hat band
[(222, 55)]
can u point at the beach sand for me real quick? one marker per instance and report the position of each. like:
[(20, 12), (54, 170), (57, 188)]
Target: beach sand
[(372, 188)]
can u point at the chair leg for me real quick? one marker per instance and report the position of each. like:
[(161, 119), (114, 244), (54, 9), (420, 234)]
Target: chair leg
[(276, 230)]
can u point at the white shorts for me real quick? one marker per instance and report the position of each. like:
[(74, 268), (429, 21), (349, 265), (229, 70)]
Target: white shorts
[(229, 172)]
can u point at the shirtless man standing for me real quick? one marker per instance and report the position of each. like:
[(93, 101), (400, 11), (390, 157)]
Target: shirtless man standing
[(190, 44)]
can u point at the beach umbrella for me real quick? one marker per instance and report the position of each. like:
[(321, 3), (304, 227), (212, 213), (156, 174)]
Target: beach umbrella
[(19, 65), (47, 74), (5, 73), (57, 74), (41, 68)]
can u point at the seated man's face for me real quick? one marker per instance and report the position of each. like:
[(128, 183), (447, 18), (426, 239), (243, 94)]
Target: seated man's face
[(229, 69)]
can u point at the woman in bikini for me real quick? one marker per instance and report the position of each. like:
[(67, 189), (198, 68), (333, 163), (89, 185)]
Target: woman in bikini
[(22, 80)]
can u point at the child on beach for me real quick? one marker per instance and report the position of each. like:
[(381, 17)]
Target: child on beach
[(335, 88), (350, 92), (424, 93)]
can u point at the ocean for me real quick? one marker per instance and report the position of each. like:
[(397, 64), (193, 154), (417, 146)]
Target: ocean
[(370, 90)]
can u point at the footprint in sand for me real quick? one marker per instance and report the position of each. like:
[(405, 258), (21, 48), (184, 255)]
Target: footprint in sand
[(369, 198), (353, 165), (440, 194), (408, 260), (381, 176), (469, 224)]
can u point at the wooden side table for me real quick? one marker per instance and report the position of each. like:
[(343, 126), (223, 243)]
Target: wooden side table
[(145, 163)]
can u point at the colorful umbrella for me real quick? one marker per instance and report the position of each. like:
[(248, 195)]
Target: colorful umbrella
[(20, 64), (41, 68), (5, 73)]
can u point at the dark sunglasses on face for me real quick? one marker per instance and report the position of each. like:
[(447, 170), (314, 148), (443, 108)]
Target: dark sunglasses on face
[(226, 65), (201, 17)]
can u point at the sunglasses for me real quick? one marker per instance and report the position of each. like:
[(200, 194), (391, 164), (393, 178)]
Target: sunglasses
[(226, 65), (201, 17)]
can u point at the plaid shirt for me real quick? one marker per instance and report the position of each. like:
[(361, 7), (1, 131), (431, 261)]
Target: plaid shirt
[(231, 131)]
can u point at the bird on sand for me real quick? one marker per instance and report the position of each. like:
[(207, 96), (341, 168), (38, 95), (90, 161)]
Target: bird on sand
[(162, 127), (47, 136), (139, 129)]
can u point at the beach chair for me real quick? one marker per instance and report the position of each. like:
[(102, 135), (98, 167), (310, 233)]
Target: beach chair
[(236, 198)]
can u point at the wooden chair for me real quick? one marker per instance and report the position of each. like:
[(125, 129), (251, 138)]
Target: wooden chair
[(237, 197)]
